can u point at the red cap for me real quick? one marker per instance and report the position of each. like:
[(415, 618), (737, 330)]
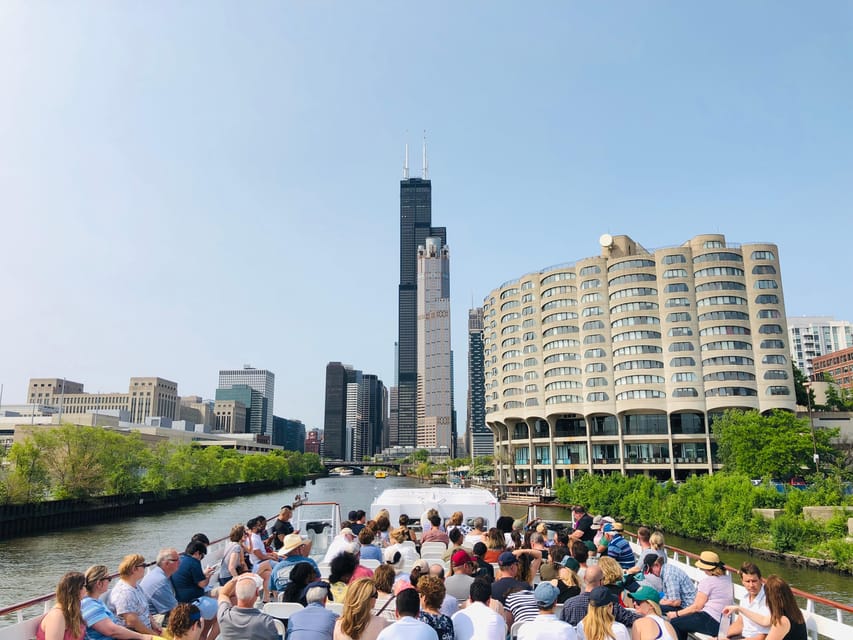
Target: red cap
[(459, 558)]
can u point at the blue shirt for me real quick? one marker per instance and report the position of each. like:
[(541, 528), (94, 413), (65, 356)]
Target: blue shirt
[(620, 550), (314, 622), (159, 591), (371, 552), (93, 611), (186, 579), (280, 575)]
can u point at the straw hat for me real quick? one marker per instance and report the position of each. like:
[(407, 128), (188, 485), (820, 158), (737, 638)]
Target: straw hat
[(709, 560)]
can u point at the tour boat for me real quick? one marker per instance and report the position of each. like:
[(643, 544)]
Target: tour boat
[(320, 521)]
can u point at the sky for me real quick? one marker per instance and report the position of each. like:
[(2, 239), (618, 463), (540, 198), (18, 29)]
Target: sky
[(192, 186)]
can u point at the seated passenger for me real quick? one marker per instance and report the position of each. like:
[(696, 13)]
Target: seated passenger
[(341, 570), (301, 575), (157, 583), (191, 581), (435, 534), (339, 544), (398, 537), (260, 559), (233, 558), (358, 621), (292, 556), (244, 620), (128, 601), (185, 622), (101, 623), (314, 622), (64, 620), (369, 550)]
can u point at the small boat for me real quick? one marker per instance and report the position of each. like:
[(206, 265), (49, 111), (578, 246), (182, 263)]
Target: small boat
[(341, 471), (380, 474)]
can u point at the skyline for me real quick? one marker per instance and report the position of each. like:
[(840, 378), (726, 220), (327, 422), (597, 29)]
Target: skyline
[(188, 188)]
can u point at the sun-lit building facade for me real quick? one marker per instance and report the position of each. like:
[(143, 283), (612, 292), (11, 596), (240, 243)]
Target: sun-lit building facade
[(620, 362)]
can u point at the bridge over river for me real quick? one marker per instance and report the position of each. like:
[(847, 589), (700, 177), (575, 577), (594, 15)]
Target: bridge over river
[(360, 467)]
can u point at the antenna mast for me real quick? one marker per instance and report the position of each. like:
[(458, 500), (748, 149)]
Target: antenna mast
[(425, 162), (406, 164)]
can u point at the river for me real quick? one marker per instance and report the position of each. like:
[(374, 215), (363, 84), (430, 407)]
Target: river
[(31, 566)]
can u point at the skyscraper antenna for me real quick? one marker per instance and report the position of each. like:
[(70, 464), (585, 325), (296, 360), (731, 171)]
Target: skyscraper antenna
[(425, 162), (406, 161)]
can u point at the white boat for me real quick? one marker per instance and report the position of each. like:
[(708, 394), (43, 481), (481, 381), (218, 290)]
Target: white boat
[(320, 521)]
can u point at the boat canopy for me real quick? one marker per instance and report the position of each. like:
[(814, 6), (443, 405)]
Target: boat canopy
[(414, 502)]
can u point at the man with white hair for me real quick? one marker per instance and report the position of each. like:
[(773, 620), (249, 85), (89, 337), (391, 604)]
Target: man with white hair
[(339, 544), (314, 622), (243, 621)]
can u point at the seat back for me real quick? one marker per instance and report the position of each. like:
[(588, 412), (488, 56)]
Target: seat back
[(281, 610), (336, 607)]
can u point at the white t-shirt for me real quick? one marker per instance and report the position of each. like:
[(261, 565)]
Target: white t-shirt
[(620, 631), (478, 622), (546, 626), (257, 543), (407, 628)]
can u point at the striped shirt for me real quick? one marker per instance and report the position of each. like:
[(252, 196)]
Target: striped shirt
[(620, 550), (522, 605)]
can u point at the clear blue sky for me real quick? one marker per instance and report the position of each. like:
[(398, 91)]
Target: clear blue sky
[(189, 186)]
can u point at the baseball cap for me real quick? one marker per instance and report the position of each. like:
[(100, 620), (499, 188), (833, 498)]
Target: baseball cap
[(608, 527), (507, 558), (596, 522), (570, 563), (459, 558), (646, 593), (601, 596), (546, 594)]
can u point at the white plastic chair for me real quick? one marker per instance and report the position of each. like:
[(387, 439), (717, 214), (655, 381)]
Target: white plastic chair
[(370, 563), (279, 627), (281, 610), (433, 549), (513, 633)]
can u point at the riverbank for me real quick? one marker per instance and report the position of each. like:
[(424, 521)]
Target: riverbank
[(56, 515)]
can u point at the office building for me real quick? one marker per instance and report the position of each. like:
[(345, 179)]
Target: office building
[(335, 412), (198, 411), (415, 228), (480, 441), (620, 362), (248, 401), (314, 442), (230, 415), (814, 336), (288, 434), (262, 381), (435, 376), (146, 397), (838, 365)]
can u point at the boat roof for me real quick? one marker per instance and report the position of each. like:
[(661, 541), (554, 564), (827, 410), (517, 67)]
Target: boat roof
[(413, 502)]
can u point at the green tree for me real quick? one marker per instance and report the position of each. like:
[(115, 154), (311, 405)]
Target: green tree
[(778, 445), (28, 480), (72, 455), (805, 394), (421, 455), (837, 399), (125, 458), (313, 463), (423, 470)]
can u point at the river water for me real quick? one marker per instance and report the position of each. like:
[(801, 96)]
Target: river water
[(31, 566)]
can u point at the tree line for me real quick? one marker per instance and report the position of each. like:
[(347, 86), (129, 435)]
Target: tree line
[(753, 449), (81, 462)]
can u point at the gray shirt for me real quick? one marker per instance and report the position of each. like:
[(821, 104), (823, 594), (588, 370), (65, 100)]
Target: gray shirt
[(239, 623)]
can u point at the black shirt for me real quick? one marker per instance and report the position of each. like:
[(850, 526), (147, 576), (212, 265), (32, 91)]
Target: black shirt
[(282, 526), (585, 525)]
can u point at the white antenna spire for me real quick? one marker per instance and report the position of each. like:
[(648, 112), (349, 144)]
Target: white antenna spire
[(425, 162), (406, 164)]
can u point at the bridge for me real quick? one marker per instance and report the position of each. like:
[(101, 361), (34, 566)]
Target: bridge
[(362, 466)]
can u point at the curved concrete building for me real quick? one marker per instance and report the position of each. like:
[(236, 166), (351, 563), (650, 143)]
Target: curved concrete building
[(620, 362)]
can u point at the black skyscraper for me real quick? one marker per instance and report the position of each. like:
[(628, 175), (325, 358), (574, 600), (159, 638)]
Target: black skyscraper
[(335, 419), (415, 228)]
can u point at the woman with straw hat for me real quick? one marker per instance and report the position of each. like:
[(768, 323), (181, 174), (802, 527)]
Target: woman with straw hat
[(652, 625), (714, 593)]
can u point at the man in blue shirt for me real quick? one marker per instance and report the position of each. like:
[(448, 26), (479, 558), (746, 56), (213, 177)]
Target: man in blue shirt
[(618, 547), (314, 622), (292, 550), (157, 584)]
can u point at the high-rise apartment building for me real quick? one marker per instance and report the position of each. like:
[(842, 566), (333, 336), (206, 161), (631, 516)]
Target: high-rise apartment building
[(620, 362), (435, 374), (415, 228), (262, 381), (814, 336), (480, 440)]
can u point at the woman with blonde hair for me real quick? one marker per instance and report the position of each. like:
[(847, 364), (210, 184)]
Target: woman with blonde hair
[(656, 542), (612, 574), (358, 621), (599, 622), (652, 626), (127, 599), (456, 521), (185, 622), (495, 544), (100, 621), (65, 621)]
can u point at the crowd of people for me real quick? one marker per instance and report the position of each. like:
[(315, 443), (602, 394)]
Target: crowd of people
[(479, 581)]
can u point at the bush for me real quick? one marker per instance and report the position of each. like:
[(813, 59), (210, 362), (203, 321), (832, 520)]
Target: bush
[(791, 533)]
